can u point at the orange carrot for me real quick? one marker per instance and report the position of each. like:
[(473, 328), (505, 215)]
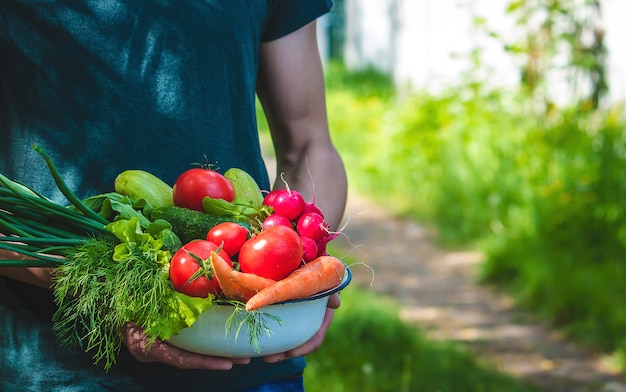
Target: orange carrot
[(322, 273), (251, 282), (237, 285)]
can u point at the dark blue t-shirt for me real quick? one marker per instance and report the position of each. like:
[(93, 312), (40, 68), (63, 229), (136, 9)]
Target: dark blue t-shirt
[(105, 86)]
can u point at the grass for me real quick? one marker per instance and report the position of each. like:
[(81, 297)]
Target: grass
[(370, 348)]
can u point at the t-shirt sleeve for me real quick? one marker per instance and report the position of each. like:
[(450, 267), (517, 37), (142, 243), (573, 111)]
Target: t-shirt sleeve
[(288, 16)]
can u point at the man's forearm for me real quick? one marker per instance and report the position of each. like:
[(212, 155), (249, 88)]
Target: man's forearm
[(320, 175)]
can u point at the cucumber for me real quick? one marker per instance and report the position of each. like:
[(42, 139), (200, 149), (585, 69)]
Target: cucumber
[(247, 191), (139, 184), (190, 224)]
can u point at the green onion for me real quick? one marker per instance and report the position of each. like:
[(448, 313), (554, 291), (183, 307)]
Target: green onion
[(40, 259), (57, 241), (71, 197), (20, 203), (40, 229), (38, 263)]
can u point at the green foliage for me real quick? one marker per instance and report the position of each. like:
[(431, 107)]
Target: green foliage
[(544, 195), (555, 28), (369, 348), (364, 83), (570, 265)]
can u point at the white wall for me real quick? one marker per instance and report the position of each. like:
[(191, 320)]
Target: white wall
[(369, 34), (428, 43), (614, 14)]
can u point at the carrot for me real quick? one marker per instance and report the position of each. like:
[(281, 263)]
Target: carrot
[(322, 273), (236, 285), (251, 282)]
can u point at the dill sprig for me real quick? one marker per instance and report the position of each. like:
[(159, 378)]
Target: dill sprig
[(256, 322)]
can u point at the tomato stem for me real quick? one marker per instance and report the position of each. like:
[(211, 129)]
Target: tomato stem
[(203, 270)]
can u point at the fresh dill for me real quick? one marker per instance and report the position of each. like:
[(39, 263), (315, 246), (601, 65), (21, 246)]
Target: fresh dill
[(96, 296), (256, 322)]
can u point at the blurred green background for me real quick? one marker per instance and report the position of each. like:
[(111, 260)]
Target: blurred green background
[(539, 188)]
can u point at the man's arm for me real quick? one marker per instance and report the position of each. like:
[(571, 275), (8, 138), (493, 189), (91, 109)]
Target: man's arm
[(291, 90)]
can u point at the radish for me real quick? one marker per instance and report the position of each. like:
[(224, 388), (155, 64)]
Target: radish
[(268, 200), (309, 249), (312, 207), (276, 220), (321, 246), (286, 202), (312, 225)]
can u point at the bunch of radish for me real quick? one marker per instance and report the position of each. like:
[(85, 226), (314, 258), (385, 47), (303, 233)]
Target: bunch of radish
[(291, 210)]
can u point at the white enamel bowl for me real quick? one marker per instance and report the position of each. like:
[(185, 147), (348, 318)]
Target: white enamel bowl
[(299, 321)]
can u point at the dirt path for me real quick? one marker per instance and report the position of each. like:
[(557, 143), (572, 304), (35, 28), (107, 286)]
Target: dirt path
[(437, 290)]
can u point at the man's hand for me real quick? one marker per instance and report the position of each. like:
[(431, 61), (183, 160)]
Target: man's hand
[(316, 341), (136, 342)]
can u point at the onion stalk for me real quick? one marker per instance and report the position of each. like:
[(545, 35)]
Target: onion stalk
[(40, 229)]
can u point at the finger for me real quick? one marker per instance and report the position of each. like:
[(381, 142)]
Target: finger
[(334, 301), (241, 361), (159, 351), (173, 356)]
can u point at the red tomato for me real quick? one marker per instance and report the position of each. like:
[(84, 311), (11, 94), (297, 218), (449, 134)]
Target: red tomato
[(183, 265), (273, 253), (230, 235), (195, 184)]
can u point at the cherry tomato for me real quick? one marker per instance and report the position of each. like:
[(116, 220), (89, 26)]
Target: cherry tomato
[(195, 184), (273, 253), (183, 266), (230, 235)]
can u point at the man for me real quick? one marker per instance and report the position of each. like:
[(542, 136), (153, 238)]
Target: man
[(109, 86)]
